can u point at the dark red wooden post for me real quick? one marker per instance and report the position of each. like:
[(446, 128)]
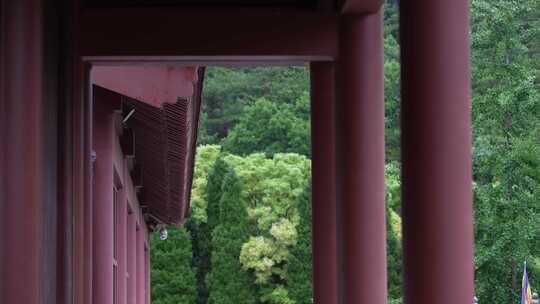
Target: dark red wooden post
[(436, 152), (102, 225), (132, 257), (360, 161), (147, 269), (21, 148), (121, 239), (324, 184), (140, 265)]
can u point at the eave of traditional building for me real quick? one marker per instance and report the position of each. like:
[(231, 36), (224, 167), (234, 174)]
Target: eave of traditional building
[(160, 109)]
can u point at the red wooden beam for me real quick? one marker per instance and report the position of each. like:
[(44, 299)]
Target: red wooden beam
[(200, 34), (360, 6)]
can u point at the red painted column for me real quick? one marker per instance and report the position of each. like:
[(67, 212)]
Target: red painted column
[(132, 258), (147, 274), (140, 265), (121, 238), (102, 274), (21, 103), (360, 162), (436, 152), (323, 183), (87, 185)]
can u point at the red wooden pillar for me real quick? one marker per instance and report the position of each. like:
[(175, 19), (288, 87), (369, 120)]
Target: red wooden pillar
[(360, 161), (85, 169), (121, 239), (436, 152), (323, 181), (147, 273), (132, 257), (21, 106), (102, 244), (140, 265)]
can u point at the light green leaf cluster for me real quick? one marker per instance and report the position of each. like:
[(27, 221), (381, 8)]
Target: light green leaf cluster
[(284, 232), (272, 188), (258, 254), (277, 295)]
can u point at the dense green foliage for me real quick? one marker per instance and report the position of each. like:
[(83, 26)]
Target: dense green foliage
[(300, 264), (228, 90), (227, 282), (173, 278), (270, 127), (272, 188), (393, 228), (255, 123), (203, 226), (506, 155)]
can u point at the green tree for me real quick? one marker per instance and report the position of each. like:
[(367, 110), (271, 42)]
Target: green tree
[(173, 278), (506, 136), (272, 191), (228, 90), (393, 233), (271, 127), (203, 229), (215, 191), (205, 158), (227, 282), (300, 280), (197, 222), (392, 94)]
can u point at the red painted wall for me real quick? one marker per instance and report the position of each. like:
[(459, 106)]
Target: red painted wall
[(128, 227)]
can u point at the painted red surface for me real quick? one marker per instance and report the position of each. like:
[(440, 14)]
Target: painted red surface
[(154, 85), (102, 203), (436, 147), (21, 107), (121, 237), (323, 183), (361, 6), (147, 282), (111, 171), (360, 161), (132, 258), (140, 273), (436, 152), (206, 34)]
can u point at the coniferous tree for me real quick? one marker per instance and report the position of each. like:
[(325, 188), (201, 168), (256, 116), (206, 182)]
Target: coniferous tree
[(214, 191), (300, 265), (202, 232), (173, 278), (227, 282), (200, 238)]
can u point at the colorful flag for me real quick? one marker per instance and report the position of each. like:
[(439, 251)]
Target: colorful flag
[(526, 294)]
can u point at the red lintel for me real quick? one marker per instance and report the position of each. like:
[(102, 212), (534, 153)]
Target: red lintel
[(198, 34), (360, 7)]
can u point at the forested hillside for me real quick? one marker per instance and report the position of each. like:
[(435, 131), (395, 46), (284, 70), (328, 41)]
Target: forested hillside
[(248, 239)]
